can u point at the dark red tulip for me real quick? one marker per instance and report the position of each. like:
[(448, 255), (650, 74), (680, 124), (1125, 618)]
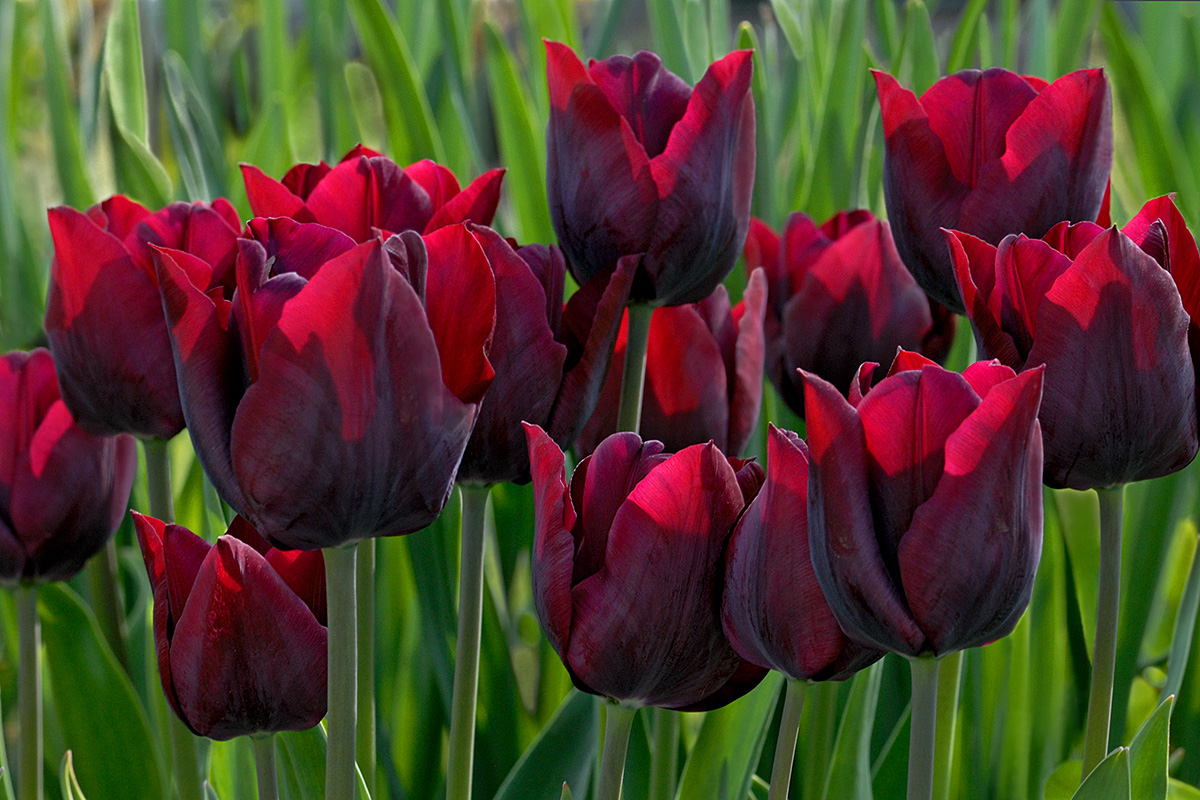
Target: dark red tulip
[(640, 163), (104, 316), (990, 153), (239, 628), (63, 491), (925, 504), (550, 361), (627, 568), (774, 613), (1099, 310), (704, 365), (331, 396), (839, 296), (368, 192)]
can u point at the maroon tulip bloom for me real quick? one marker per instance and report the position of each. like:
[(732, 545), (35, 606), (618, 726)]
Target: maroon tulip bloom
[(239, 628), (550, 361), (1099, 310), (368, 192), (925, 504), (104, 316), (704, 366), (331, 396), (627, 568), (639, 163), (63, 491), (990, 153), (839, 296), (773, 610)]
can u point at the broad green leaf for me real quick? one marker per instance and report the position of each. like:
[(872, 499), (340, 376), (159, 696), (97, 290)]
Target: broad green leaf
[(268, 147), (367, 102), (562, 755), (69, 157), (272, 36), (198, 146), (789, 23), (124, 72), (139, 172), (1109, 780), (70, 783), (1148, 755), (300, 761), (566, 792), (1064, 781), (963, 47), (1080, 517), (849, 776), (918, 67), (1185, 625), (1076, 23), (696, 37), (669, 36), (1178, 790), (231, 768)]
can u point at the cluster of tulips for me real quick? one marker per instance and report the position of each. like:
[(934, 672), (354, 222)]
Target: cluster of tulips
[(366, 341)]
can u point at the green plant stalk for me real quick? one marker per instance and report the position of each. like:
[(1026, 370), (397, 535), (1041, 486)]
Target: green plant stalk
[(1108, 607), (923, 733), (364, 747), (106, 600), (949, 684), (664, 754), (29, 694), (188, 781), (264, 766), (633, 379), (785, 747), (341, 596), (1185, 628), (617, 724), (466, 657)]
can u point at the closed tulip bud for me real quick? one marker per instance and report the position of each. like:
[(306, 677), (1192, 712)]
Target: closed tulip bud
[(925, 504), (239, 628), (627, 568), (1099, 309), (104, 316), (640, 163), (331, 396), (990, 153), (774, 612), (367, 192), (839, 296)]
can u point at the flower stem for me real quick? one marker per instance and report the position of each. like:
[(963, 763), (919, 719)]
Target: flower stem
[(664, 754), (29, 694), (264, 766), (618, 723), (364, 747), (1108, 607), (106, 600), (158, 479), (923, 734), (1185, 627), (466, 658), (185, 763), (785, 748), (949, 682), (633, 380), (340, 574)]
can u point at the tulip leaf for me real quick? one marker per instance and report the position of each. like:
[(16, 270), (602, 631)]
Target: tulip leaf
[(729, 744), (669, 36), (300, 763), (1076, 22), (97, 706), (1109, 780), (70, 784), (69, 157), (566, 792), (1064, 781), (367, 102), (1178, 790), (849, 776), (268, 147), (563, 753), (918, 64), (789, 23), (124, 73), (1148, 755), (231, 771), (961, 54), (193, 131), (272, 37)]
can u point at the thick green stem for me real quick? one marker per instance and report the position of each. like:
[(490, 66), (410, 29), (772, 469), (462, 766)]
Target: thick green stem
[(633, 379), (466, 659), (618, 722), (106, 600), (664, 754), (264, 766), (949, 682), (29, 694), (923, 733), (785, 747), (364, 748), (340, 573), (1108, 608), (1185, 628)]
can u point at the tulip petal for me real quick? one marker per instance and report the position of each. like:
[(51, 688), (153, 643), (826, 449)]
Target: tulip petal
[(1070, 238), (553, 545), (650, 97), (270, 198), (476, 203), (150, 536), (121, 216), (986, 375), (304, 573), (12, 557), (1025, 271), (183, 553), (745, 399), (297, 247), (1183, 257), (437, 181), (975, 268)]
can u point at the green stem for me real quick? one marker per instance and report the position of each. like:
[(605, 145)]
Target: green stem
[(340, 573), (664, 754), (1185, 628), (264, 766), (785, 747), (29, 694), (158, 479), (106, 600), (364, 748), (923, 734), (183, 755), (618, 723), (1108, 607), (633, 380), (949, 682), (466, 658)]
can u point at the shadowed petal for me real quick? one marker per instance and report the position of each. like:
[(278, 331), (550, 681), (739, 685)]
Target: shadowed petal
[(476, 203), (553, 545)]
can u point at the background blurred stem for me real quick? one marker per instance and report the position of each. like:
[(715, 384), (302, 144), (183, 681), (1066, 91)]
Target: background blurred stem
[(106, 600), (949, 681), (29, 694), (633, 379), (618, 720), (1185, 628), (364, 748), (664, 754), (1108, 607), (923, 735), (340, 574), (466, 658), (785, 747), (264, 766)]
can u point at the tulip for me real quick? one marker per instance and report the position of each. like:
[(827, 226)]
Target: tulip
[(104, 316), (990, 153), (640, 163), (239, 628), (368, 192), (839, 296)]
